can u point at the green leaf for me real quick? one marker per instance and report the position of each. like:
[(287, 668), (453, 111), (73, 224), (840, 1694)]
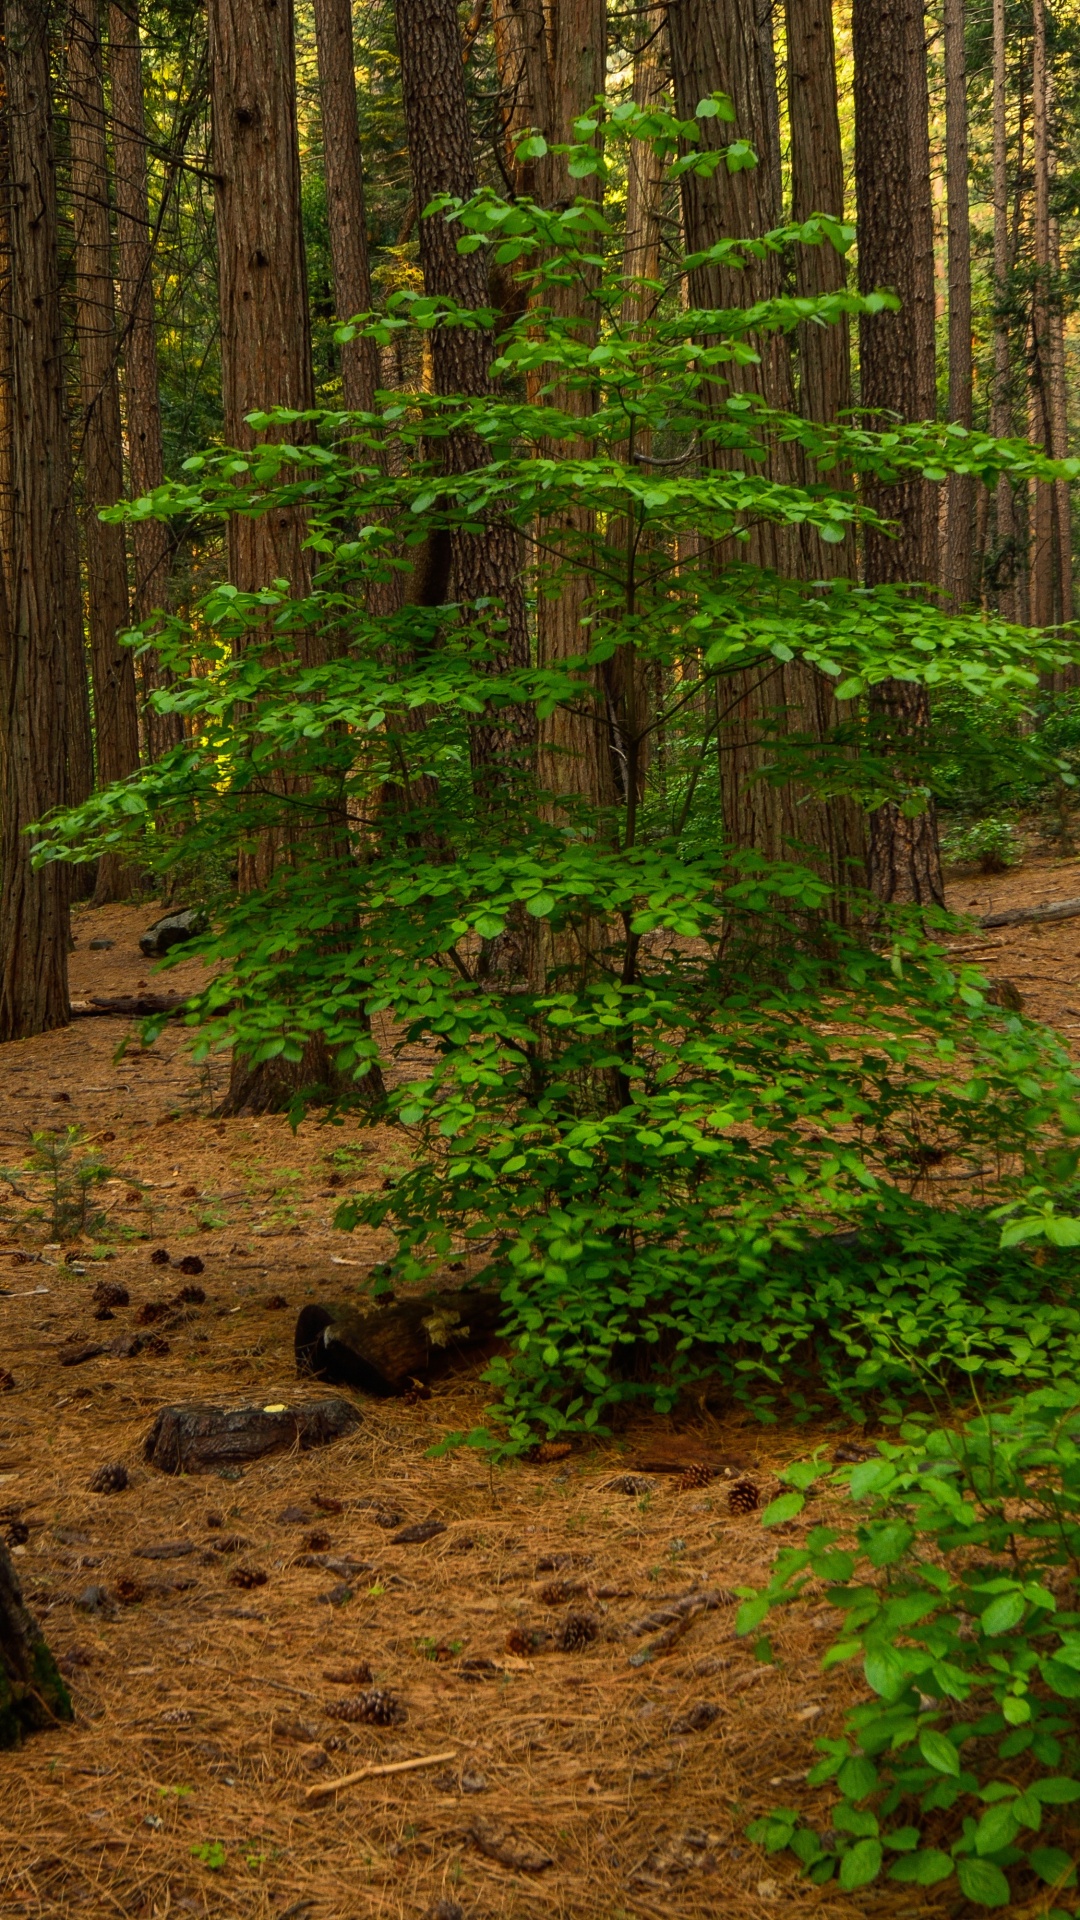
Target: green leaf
[(923, 1869), (983, 1882), (540, 905), (533, 147), (785, 1508), (861, 1865), (998, 1828), (1057, 1791), (1053, 1866), (1004, 1613), (938, 1752), (857, 1777)]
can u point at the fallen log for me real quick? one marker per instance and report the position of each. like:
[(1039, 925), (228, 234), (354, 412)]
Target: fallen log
[(383, 1349), (32, 1694), (1023, 916), (196, 1438), (128, 1005)]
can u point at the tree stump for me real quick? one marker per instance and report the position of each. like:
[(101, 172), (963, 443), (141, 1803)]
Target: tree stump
[(32, 1694), (197, 1438), (381, 1349)]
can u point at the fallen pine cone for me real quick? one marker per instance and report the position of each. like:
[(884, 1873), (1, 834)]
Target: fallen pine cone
[(744, 1497), (110, 1293), (416, 1535), (510, 1848), (157, 1346), (696, 1475), (526, 1641), (109, 1479), (128, 1591), (247, 1577), (150, 1311), (230, 1543), (192, 1264), (7, 1381), (104, 1313), (276, 1301), (377, 1708), (17, 1532), (190, 1296), (696, 1718), (577, 1630), (160, 1257), (628, 1483), (327, 1504), (317, 1541), (546, 1452), (558, 1592), (215, 1519), (354, 1676)]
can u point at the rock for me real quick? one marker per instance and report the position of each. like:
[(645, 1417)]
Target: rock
[(101, 946), (196, 1438), (92, 1599), (171, 931)]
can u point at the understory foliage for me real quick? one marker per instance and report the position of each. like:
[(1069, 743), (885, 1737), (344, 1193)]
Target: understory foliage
[(699, 1113), (959, 1598)]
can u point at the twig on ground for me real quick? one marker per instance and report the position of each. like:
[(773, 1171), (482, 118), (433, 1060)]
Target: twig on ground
[(369, 1773)]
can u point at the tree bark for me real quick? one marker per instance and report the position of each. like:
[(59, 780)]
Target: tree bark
[(151, 544), (487, 565), (33, 1696), (1059, 444), (1006, 561), (116, 721), (1040, 423), (525, 92), (41, 642), (958, 578), (890, 91), (345, 195)]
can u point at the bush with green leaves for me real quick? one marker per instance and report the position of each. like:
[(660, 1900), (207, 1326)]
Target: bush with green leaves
[(658, 1071), (991, 844), (959, 1599), (63, 1175)]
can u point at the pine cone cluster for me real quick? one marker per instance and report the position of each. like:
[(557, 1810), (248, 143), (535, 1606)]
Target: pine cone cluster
[(112, 1478), (376, 1708), (247, 1577), (358, 1675), (693, 1476), (578, 1630), (744, 1497)]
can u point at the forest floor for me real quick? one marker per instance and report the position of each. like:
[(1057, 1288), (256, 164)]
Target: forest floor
[(202, 1706)]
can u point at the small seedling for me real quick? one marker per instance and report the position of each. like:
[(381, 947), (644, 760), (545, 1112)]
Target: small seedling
[(211, 1853)]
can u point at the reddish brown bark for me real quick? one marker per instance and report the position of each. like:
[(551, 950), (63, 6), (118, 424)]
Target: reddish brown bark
[(41, 642), (958, 571), (345, 195)]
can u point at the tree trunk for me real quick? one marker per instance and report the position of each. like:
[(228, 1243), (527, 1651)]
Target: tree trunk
[(33, 1696), (151, 544), (1059, 444), (345, 195), (116, 721), (526, 98), (1006, 562), (487, 565), (890, 90), (41, 642), (1040, 427), (265, 361), (958, 578)]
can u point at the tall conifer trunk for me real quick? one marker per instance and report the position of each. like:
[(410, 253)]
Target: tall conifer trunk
[(1039, 410), (345, 195), (958, 579), (891, 151), (1007, 563), (150, 540), (116, 724), (41, 633)]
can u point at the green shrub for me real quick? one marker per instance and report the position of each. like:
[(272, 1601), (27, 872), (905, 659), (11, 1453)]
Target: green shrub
[(959, 1598), (991, 844)]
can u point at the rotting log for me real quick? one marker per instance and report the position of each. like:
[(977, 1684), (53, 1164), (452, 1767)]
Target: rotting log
[(32, 1694), (383, 1348), (129, 1005), (1024, 916), (196, 1438)]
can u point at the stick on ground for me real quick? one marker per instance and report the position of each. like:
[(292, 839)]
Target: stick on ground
[(369, 1773)]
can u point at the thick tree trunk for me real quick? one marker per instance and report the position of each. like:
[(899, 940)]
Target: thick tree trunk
[(151, 544), (345, 195), (1006, 562), (890, 91), (485, 565), (116, 721), (958, 579), (817, 186), (32, 1694), (526, 98), (42, 644)]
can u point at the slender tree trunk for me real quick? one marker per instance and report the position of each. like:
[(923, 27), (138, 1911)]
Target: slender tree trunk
[(345, 195), (526, 99), (116, 720), (487, 565), (151, 545), (890, 92), (1042, 498), (958, 570), (1006, 556), (1059, 432), (41, 633)]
